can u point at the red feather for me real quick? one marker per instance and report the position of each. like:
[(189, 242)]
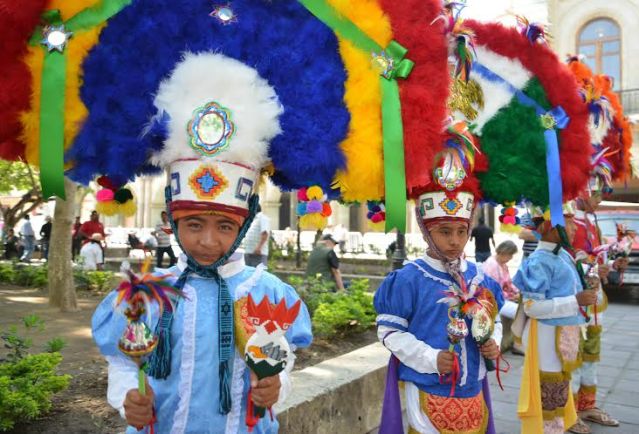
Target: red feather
[(18, 20), (424, 93)]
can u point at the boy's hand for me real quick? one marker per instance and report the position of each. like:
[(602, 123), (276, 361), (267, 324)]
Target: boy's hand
[(586, 298), (603, 271), (490, 350), (620, 264), (266, 391), (138, 409), (445, 360)]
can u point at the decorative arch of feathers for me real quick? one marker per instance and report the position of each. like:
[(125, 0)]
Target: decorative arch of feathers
[(373, 110)]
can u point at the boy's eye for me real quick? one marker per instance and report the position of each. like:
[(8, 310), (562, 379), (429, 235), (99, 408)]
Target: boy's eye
[(226, 227), (194, 225)]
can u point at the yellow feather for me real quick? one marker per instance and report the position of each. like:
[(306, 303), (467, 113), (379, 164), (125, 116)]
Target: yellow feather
[(107, 208), (363, 178), (74, 110)]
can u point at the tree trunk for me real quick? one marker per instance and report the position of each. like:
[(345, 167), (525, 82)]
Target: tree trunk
[(61, 285)]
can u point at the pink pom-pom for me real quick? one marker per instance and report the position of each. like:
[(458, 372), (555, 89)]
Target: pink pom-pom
[(105, 195), (509, 220), (377, 218), (314, 206), (301, 194)]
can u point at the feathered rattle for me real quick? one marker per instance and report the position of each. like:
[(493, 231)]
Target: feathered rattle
[(138, 292), (267, 350)]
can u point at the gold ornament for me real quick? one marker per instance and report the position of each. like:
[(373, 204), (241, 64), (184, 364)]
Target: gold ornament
[(466, 97)]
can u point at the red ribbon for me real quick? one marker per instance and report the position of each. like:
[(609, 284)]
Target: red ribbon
[(150, 428), (452, 377), (505, 370), (251, 418)]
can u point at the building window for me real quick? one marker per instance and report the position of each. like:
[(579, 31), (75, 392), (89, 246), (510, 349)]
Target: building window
[(600, 42)]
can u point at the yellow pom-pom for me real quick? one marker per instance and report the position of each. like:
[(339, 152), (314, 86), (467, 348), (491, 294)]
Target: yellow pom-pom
[(313, 221), (377, 227), (314, 193), (547, 215), (510, 229), (127, 208), (107, 208)]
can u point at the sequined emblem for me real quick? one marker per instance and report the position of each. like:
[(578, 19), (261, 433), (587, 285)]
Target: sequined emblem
[(224, 14), (548, 121), (55, 38), (211, 129), (383, 63), (450, 206), (207, 182)]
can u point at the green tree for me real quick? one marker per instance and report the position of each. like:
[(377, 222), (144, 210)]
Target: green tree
[(16, 175)]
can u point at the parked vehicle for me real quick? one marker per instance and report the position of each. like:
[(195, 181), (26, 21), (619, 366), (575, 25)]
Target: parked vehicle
[(607, 220)]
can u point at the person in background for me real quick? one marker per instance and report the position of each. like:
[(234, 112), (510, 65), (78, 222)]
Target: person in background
[(162, 234), (93, 226), (28, 237), (91, 253), (76, 240), (497, 267), (528, 234), (482, 235), (45, 237), (11, 245), (323, 261), (256, 243)]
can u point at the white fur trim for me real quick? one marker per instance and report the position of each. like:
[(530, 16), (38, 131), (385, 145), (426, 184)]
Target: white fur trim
[(187, 362), (206, 77), (416, 417), (497, 95), (237, 391), (463, 361), (434, 204)]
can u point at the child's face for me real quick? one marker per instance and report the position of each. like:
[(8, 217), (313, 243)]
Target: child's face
[(450, 238), (207, 237)]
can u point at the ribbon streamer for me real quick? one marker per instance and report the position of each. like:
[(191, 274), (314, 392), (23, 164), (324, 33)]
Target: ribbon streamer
[(53, 89), (392, 129)]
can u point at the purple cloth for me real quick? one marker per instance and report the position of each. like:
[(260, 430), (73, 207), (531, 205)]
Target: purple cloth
[(392, 410), (490, 428)]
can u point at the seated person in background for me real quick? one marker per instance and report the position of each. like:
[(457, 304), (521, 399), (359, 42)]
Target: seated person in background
[(91, 254), (497, 267)]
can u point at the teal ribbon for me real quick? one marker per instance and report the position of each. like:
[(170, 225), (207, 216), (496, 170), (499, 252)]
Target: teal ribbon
[(53, 85), (393, 56)]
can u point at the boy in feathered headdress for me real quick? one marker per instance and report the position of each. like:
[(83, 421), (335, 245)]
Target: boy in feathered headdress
[(438, 317), (593, 254), (216, 128), (553, 301)]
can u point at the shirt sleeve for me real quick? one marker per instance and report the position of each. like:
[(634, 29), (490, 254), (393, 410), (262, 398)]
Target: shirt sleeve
[(299, 335), (333, 261), (412, 352), (533, 278), (393, 302), (558, 307)]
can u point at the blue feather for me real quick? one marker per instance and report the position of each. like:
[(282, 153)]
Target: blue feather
[(141, 45)]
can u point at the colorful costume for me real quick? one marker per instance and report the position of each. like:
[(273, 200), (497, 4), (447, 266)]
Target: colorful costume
[(412, 325), (187, 401), (548, 281)]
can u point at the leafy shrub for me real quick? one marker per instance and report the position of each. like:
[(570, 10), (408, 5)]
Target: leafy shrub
[(26, 387), (336, 313), (95, 280), (27, 381), (7, 273)]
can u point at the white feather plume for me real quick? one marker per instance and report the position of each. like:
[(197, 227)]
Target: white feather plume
[(201, 78)]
